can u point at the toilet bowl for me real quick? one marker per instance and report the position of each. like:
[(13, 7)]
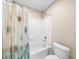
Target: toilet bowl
[(60, 52), (51, 57)]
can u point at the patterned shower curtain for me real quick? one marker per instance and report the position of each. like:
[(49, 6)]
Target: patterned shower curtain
[(15, 32)]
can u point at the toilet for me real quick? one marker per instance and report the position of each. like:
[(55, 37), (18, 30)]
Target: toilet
[(51, 57), (60, 52)]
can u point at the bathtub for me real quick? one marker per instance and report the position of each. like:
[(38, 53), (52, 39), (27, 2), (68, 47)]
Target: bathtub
[(38, 51)]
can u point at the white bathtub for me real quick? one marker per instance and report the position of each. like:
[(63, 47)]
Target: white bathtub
[(38, 51)]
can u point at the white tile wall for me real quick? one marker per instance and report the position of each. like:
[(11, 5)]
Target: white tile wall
[(38, 29)]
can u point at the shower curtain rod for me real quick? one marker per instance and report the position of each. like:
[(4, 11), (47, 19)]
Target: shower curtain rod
[(17, 3), (21, 5)]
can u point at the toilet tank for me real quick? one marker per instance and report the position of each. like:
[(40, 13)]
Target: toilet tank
[(61, 51)]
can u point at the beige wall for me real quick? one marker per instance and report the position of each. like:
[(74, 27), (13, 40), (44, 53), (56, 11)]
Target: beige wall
[(63, 13)]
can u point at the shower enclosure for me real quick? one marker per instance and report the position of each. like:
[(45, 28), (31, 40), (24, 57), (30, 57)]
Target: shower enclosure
[(15, 31)]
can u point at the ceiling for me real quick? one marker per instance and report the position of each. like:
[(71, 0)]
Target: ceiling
[(37, 5)]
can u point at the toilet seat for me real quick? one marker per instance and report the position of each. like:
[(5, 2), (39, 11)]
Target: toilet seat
[(51, 57)]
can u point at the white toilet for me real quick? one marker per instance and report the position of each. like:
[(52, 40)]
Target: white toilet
[(60, 51), (51, 57)]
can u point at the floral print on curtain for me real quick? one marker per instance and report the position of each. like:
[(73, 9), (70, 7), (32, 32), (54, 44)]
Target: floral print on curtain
[(15, 32)]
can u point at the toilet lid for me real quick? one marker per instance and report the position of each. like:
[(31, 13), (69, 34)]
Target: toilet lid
[(51, 57)]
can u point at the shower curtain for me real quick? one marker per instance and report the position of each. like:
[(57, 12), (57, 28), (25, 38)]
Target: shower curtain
[(15, 32)]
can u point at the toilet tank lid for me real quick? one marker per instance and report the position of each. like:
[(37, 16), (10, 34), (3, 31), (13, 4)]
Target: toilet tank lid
[(61, 46)]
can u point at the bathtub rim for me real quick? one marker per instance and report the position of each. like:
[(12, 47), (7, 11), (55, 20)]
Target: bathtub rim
[(39, 50)]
